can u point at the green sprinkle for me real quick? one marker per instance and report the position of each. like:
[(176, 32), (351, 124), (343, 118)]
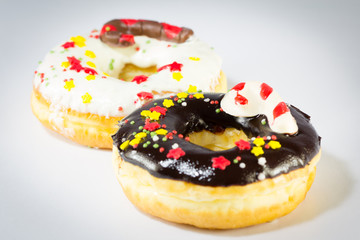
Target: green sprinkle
[(111, 66), (80, 59), (143, 51), (263, 121), (164, 139), (145, 145), (153, 134), (179, 101), (148, 142), (148, 41), (183, 99), (147, 131), (52, 51), (155, 104), (156, 145), (40, 62), (132, 122), (217, 110), (235, 161), (144, 130), (46, 84), (200, 91), (134, 133), (141, 127), (174, 45)]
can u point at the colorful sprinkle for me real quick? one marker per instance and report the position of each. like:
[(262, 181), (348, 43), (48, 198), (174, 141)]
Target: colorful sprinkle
[(274, 144), (168, 103), (175, 153), (259, 142), (124, 145), (69, 85), (243, 145), (198, 95), (86, 98), (220, 162), (90, 77), (90, 54), (257, 151), (177, 76), (194, 58)]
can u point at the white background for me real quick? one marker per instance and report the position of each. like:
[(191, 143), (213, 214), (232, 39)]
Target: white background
[(308, 51)]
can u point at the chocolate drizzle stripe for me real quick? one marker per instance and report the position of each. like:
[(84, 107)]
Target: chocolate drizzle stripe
[(196, 165)]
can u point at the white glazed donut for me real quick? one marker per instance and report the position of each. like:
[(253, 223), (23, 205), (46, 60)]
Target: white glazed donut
[(77, 91)]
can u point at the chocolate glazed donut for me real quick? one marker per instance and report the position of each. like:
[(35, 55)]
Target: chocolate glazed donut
[(161, 146), (121, 32)]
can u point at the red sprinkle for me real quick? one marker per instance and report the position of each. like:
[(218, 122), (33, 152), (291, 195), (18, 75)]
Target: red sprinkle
[(139, 79), (145, 95), (187, 139), (152, 126), (240, 99), (120, 109), (174, 131), (191, 96), (175, 153), (266, 146), (161, 149), (273, 137), (211, 102), (216, 102), (220, 162), (68, 45), (238, 158), (173, 67), (137, 48), (280, 109), (243, 145), (163, 126), (239, 87), (265, 91), (180, 136), (126, 121), (175, 99), (160, 110)]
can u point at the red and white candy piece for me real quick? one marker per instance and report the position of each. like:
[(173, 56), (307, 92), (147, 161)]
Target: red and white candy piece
[(249, 99)]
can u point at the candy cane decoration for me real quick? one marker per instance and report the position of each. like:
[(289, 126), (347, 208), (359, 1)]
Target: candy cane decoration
[(253, 98), (121, 32)]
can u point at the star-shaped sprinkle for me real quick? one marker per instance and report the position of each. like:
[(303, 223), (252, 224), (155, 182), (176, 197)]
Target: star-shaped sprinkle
[(182, 95), (152, 126), (159, 109), (192, 89), (177, 76), (175, 153), (257, 151), (90, 77), (161, 132), (69, 85), (90, 54), (259, 142), (274, 144), (220, 162), (174, 67), (86, 98), (243, 145), (198, 95), (168, 103), (78, 41), (145, 95), (139, 79)]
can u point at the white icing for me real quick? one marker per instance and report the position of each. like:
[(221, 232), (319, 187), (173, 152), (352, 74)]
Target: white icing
[(110, 93), (284, 123)]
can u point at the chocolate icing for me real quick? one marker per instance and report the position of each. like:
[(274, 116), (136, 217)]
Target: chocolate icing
[(117, 28), (196, 166)]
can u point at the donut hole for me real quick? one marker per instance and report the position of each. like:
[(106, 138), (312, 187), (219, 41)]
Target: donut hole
[(218, 141), (129, 71)]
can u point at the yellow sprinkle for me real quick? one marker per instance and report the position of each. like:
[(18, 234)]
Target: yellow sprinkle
[(86, 98), (79, 41), (154, 115), (65, 64), (182, 95), (194, 58), (168, 103), (124, 144), (135, 141), (177, 76), (259, 142), (257, 151), (161, 132), (90, 77), (192, 89), (69, 85), (91, 64), (198, 95), (140, 135), (105, 74), (90, 54), (145, 113), (274, 144)]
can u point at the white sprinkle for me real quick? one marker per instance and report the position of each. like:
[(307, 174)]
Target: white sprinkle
[(253, 138), (207, 100), (155, 138), (268, 137), (261, 176), (261, 161), (123, 139), (242, 165), (183, 104), (175, 145)]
